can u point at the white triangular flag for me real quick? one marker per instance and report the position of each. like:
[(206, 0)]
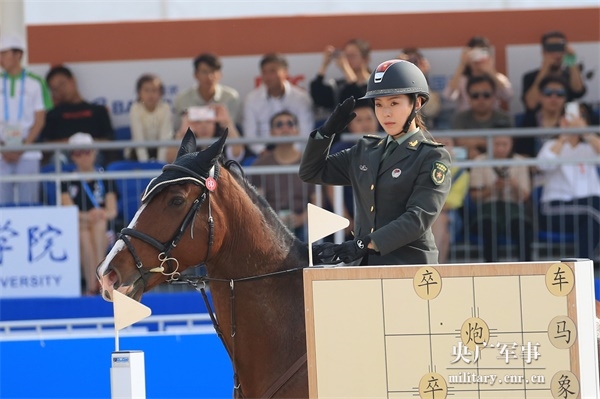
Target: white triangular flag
[(128, 311), (322, 223)]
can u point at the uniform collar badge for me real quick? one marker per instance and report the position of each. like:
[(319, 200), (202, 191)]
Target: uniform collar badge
[(413, 143)]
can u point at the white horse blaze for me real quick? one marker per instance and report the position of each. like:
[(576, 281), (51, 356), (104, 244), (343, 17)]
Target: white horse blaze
[(119, 245)]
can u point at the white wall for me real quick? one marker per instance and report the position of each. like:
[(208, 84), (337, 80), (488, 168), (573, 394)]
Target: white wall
[(113, 82), (81, 11)]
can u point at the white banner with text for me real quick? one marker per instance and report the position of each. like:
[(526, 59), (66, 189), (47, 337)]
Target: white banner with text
[(39, 252)]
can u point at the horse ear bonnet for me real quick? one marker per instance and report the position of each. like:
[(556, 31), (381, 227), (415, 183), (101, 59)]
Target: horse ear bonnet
[(189, 166), (188, 144)]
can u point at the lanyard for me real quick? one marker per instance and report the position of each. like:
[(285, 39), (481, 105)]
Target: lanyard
[(20, 113), (90, 194)]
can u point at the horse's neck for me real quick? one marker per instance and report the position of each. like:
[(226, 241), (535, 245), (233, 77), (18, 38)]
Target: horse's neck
[(266, 311), (255, 241)]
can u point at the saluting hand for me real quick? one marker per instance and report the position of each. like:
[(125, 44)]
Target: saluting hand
[(341, 116)]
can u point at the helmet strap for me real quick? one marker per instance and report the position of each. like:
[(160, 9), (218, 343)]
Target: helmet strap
[(411, 116)]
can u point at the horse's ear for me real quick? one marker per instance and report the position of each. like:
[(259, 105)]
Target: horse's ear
[(209, 156), (188, 144)]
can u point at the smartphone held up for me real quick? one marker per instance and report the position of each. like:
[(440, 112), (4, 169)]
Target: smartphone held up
[(572, 111), (202, 113)]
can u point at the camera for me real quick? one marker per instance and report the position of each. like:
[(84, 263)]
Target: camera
[(502, 172), (478, 54), (554, 47), (201, 113)]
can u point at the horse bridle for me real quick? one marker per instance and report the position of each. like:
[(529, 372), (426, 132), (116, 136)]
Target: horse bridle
[(165, 248)]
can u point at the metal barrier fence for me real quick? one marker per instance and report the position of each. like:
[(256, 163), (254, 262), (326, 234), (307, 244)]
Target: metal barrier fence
[(549, 239)]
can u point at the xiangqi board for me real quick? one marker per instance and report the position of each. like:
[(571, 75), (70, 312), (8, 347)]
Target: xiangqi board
[(436, 331)]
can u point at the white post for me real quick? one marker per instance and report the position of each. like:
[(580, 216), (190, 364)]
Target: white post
[(127, 375)]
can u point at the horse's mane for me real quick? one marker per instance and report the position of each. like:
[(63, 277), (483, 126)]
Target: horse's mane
[(271, 218)]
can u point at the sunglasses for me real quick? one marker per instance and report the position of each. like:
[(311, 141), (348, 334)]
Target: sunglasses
[(80, 152), (280, 124), (554, 47), (484, 94), (556, 92)]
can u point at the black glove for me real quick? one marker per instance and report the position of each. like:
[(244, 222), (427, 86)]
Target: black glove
[(341, 116), (324, 254), (350, 251)]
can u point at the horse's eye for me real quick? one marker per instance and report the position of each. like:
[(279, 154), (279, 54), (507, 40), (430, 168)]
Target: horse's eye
[(177, 201)]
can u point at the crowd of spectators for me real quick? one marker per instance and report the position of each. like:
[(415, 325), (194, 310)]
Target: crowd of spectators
[(52, 110)]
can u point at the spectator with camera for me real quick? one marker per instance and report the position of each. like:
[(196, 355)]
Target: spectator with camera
[(558, 60), (208, 90), (553, 96), (570, 199), (208, 122), (476, 60), (481, 114), (353, 61)]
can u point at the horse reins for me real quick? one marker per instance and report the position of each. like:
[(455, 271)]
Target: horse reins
[(194, 281)]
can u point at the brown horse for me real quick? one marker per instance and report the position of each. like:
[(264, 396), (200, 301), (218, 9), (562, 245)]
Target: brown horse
[(200, 212)]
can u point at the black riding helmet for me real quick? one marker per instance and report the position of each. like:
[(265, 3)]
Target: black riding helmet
[(398, 77)]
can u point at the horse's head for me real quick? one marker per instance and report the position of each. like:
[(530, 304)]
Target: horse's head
[(157, 245)]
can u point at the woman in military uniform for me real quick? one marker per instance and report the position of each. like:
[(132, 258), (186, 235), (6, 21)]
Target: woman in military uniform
[(400, 182)]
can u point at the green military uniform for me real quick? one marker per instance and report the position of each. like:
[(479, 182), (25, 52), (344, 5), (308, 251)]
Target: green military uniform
[(397, 199)]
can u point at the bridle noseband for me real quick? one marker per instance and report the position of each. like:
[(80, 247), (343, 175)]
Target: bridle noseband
[(165, 248)]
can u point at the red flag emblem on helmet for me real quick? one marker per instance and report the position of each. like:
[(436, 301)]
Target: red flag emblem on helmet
[(380, 71)]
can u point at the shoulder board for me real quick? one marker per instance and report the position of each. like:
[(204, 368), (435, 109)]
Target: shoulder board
[(372, 137), (432, 143)]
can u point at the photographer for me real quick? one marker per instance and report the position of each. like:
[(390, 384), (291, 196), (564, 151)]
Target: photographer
[(558, 60), (571, 192), (207, 122), (353, 62), (476, 60)]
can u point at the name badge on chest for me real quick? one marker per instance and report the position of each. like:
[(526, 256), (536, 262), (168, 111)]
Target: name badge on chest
[(12, 135)]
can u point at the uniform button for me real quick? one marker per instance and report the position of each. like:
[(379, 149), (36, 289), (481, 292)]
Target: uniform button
[(372, 208), (372, 229), (372, 187)]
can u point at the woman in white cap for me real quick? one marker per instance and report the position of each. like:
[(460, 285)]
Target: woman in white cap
[(97, 203)]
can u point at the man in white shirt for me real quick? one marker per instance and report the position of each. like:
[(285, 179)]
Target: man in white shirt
[(24, 99), (208, 90), (275, 94)]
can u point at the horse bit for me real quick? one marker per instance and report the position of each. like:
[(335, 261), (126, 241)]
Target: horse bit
[(165, 249)]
